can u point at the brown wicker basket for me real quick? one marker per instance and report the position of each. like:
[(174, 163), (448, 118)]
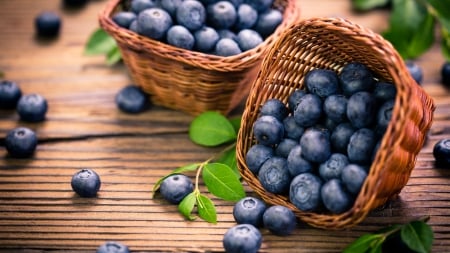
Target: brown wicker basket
[(330, 43), (186, 80)]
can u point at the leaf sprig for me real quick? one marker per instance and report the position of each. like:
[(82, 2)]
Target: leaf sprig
[(101, 43)]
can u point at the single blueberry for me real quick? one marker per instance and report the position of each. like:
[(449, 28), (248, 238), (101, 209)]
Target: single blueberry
[(292, 130), (86, 183), (221, 15), (154, 23), (335, 107), (236, 3), (124, 18), (137, 6), (191, 14), (256, 156), (384, 116), (274, 107), (274, 175), (268, 130), (340, 137), (445, 73), (294, 98), (249, 210), (10, 94), (384, 91), (296, 164), (332, 168), (181, 37), (47, 24), (335, 197), (248, 39), (132, 99), (316, 146), (268, 21), (353, 177), (441, 152), (133, 26), (327, 123), (284, 147), (243, 238), (259, 5), (279, 220), (246, 17), (309, 110), (304, 192), (361, 108), (227, 34), (175, 187), (356, 77), (21, 142), (361, 145), (171, 6), (227, 47), (206, 39), (415, 71), (32, 108), (113, 247), (322, 82)]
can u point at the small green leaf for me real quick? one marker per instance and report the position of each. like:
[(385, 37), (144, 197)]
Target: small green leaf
[(211, 129), (186, 168), (365, 5), (236, 122), (418, 236), (113, 56), (187, 205), (100, 42), (206, 209), (222, 182), (442, 13), (365, 243), (445, 44), (229, 158)]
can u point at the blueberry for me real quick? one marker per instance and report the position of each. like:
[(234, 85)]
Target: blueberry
[(256, 156), (316, 146), (246, 17), (294, 98), (353, 177), (384, 91), (304, 192), (227, 47), (21, 142), (335, 107), (191, 14), (47, 24), (175, 187), (292, 130), (445, 73), (154, 23), (124, 18), (113, 247), (248, 39), (242, 238), (249, 210), (284, 147), (181, 37), (259, 5), (32, 108), (361, 145), (133, 26), (10, 94), (279, 220), (356, 77), (274, 107), (206, 39), (296, 164), (322, 82), (132, 99), (236, 3), (268, 21), (384, 116), (268, 130), (309, 110), (137, 6), (340, 137), (332, 168), (171, 6), (441, 152), (415, 71), (86, 183), (221, 15), (361, 108), (227, 34), (335, 197), (274, 175)]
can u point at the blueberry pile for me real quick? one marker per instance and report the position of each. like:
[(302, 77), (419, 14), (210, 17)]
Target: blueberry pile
[(317, 149), (222, 28)]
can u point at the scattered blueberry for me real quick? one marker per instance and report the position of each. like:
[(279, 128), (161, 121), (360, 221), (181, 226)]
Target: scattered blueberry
[(274, 175), (86, 183), (132, 99), (308, 110), (248, 39), (353, 177), (175, 187), (10, 94), (296, 163), (32, 108), (322, 82), (257, 155), (305, 193), (221, 15), (249, 210), (361, 145), (246, 17), (244, 238), (124, 18), (227, 47), (47, 24), (113, 247), (445, 73), (21, 142), (279, 220), (274, 107), (268, 22), (361, 108), (268, 130), (191, 14), (415, 71), (356, 77), (181, 37), (335, 197), (154, 23), (206, 39), (316, 146), (332, 168), (441, 152)]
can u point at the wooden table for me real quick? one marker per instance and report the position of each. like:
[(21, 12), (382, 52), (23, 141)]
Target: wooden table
[(39, 212)]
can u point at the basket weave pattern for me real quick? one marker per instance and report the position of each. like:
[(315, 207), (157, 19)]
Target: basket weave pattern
[(186, 80), (331, 43)]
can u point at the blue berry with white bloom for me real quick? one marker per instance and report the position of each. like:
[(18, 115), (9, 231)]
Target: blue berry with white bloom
[(335, 197), (32, 108), (175, 187), (86, 183), (316, 146), (257, 155), (304, 192), (21, 142), (274, 175), (353, 177), (279, 220), (249, 210), (242, 238), (268, 130)]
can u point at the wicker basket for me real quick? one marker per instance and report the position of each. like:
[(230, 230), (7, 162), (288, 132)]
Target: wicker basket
[(331, 43), (186, 80)]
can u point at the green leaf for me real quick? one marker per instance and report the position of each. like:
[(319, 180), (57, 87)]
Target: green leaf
[(100, 42), (236, 122), (229, 158), (418, 236), (206, 209), (222, 182), (187, 205), (211, 129), (445, 45), (442, 13), (365, 5), (364, 243), (113, 56), (186, 168)]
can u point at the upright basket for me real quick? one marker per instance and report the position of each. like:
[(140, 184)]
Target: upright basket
[(186, 80), (331, 43)]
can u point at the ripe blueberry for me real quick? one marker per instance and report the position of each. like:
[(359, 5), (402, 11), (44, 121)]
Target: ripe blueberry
[(268, 130), (227, 47), (227, 34), (316, 146), (191, 14), (309, 110), (384, 91), (181, 37), (361, 108), (335, 197), (124, 18), (113, 247), (47, 24), (332, 168), (32, 108), (248, 39), (274, 107), (86, 183), (361, 145), (154, 23), (138, 6), (445, 73), (335, 107), (268, 21), (304, 192), (274, 175), (355, 77), (206, 39), (279, 220), (322, 82), (10, 93), (340, 137), (384, 116), (257, 155), (246, 17), (221, 15), (441, 152), (296, 163), (170, 6), (175, 187), (259, 5), (353, 177), (242, 238), (249, 210), (21, 142), (294, 98), (415, 71), (131, 99), (291, 129), (284, 147)]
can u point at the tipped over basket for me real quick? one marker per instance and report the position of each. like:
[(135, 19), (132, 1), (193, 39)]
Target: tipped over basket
[(186, 80), (330, 43)]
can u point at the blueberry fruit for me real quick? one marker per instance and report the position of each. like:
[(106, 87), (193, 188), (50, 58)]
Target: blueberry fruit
[(170, 6), (356, 77), (221, 15), (268, 21), (279, 220), (227, 34), (227, 47), (256, 156), (296, 164), (32, 108), (292, 130), (274, 175), (316, 146), (415, 71), (441, 152), (243, 238), (340, 137), (353, 177), (10, 94), (445, 73), (137, 6), (361, 108), (181, 37), (248, 39), (309, 110), (284, 147), (246, 17), (268, 130), (132, 99), (274, 107), (335, 197), (86, 183), (21, 142), (384, 91), (294, 98), (322, 82), (335, 107), (332, 168), (249, 210), (124, 18), (175, 187), (47, 24), (113, 247), (361, 145), (191, 14), (206, 39), (384, 116), (259, 5), (304, 192), (154, 23)]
